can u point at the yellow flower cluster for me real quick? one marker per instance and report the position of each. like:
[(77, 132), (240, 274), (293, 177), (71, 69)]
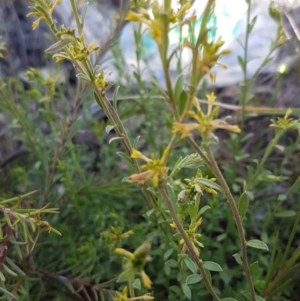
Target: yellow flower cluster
[(153, 169), (205, 123), (159, 23)]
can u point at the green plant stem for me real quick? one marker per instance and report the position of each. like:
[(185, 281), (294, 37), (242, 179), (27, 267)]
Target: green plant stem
[(198, 150), (238, 221), (245, 82), (267, 153), (121, 132), (171, 100), (164, 192), (131, 289), (75, 13), (197, 73)]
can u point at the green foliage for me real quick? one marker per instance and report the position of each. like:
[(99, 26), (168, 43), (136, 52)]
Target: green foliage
[(197, 226)]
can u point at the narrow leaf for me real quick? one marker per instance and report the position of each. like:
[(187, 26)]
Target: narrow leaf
[(14, 266), (124, 157), (8, 270), (59, 45), (208, 183), (203, 209), (182, 101), (2, 277), (192, 279), (237, 258), (109, 128), (114, 139), (168, 253), (286, 213), (243, 204), (115, 97), (171, 194), (7, 293), (135, 142), (254, 268), (187, 291), (172, 263), (191, 264), (178, 88), (295, 186), (242, 63), (247, 295), (257, 244), (212, 266)]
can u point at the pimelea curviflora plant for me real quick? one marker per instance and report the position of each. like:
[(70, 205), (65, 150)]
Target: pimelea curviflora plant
[(175, 200)]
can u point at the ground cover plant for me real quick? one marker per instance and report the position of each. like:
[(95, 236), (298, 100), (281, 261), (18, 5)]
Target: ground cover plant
[(164, 196)]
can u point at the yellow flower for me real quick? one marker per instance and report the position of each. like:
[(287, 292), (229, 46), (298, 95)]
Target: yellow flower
[(161, 19), (36, 23), (206, 123), (135, 262), (146, 280), (173, 225), (154, 169), (124, 296)]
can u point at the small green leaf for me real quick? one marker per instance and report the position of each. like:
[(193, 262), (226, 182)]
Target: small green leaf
[(14, 267), (295, 186), (178, 88), (191, 264), (168, 253), (115, 97), (149, 213), (258, 298), (251, 25), (212, 266), (175, 289), (286, 213), (208, 183), (229, 299), (242, 63), (187, 291), (159, 87), (137, 284), (243, 204), (109, 128), (172, 194), (56, 47), (254, 268), (192, 279), (237, 258), (203, 209), (172, 263), (247, 295), (2, 277), (127, 275), (84, 14), (68, 285), (125, 157), (208, 275), (98, 100), (7, 293), (182, 101), (221, 237), (257, 244), (114, 139), (281, 197), (250, 195), (135, 142), (8, 270)]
